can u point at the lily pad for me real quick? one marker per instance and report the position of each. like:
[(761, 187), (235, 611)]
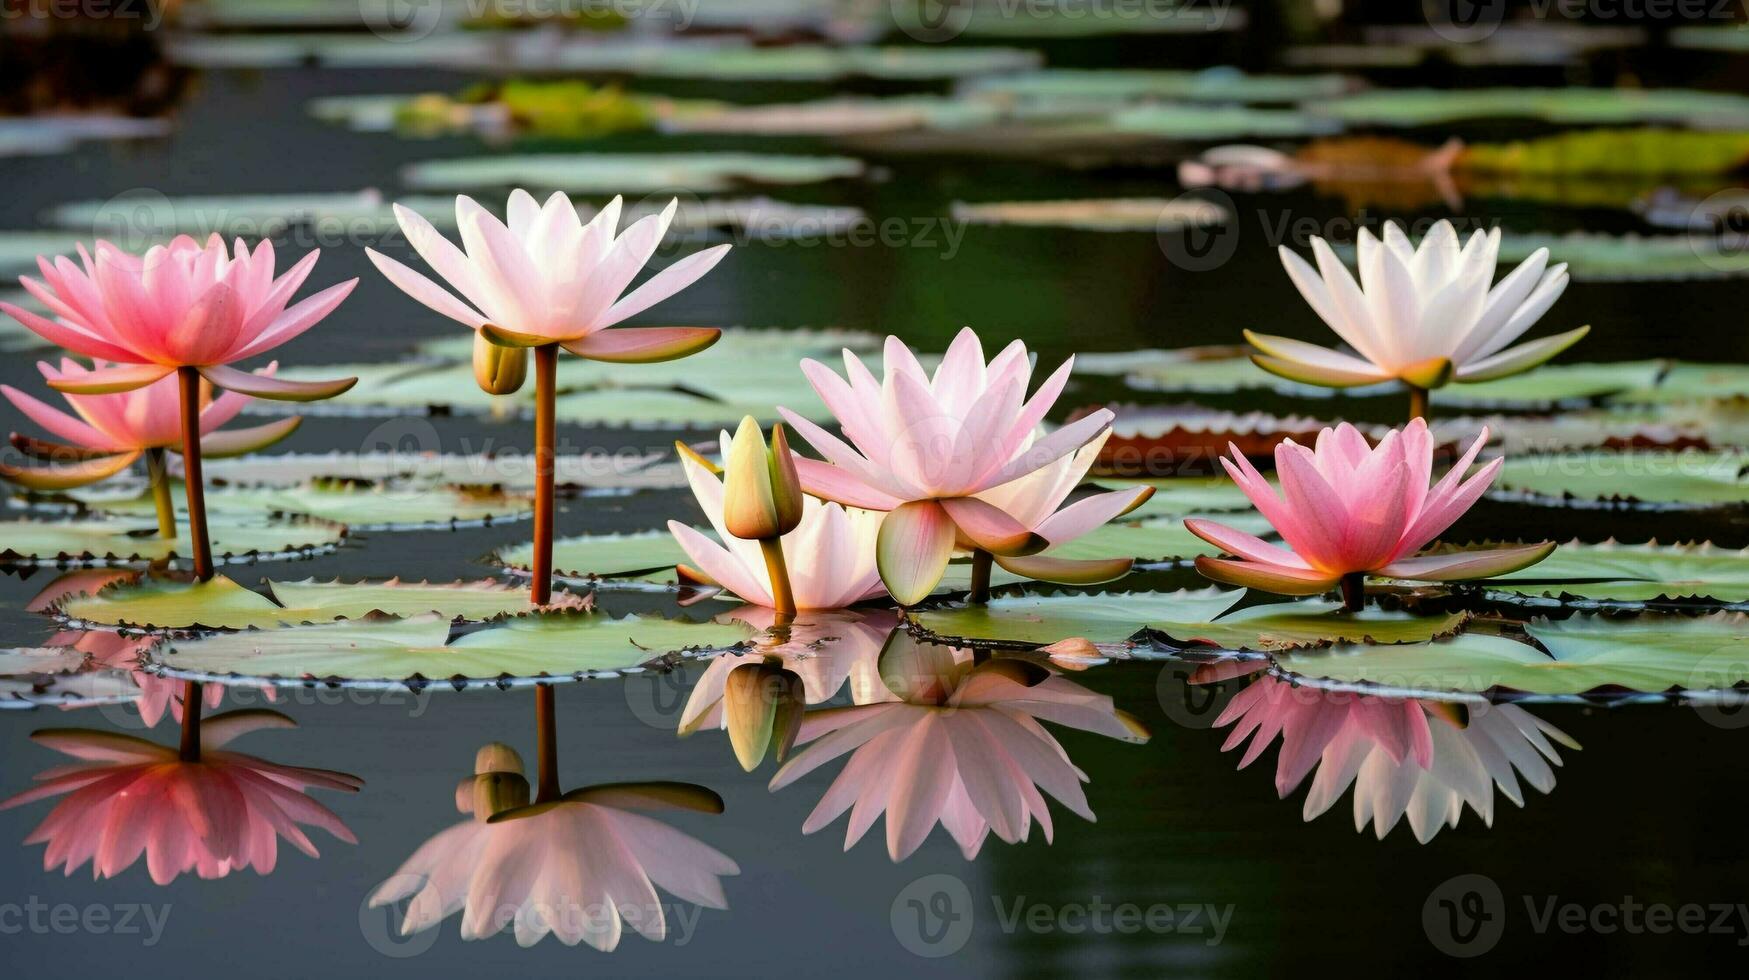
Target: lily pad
[(1599, 257), (399, 506), (604, 173), (393, 653), (1557, 384), (1202, 370), (1153, 540), (1582, 106), (120, 540), (514, 472), (1180, 619), (997, 19), (1184, 496), (1644, 480), (1631, 574), (149, 213), (592, 556), (1218, 123), (1686, 381), (59, 676), (1148, 214), (1101, 88), (1651, 653), (161, 605)]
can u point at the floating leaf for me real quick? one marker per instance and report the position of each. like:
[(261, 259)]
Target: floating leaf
[(1644, 480), (162, 604), (1205, 370), (606, 173), (1184, 496), (1152, 539), (378, 653), (1218, 123), (1583, 106), (1686, 381), (1632, 573), (1065, 20), (1183, 618), (1613, 152), (400, 506), (118, 540), (572, 472), (1100, 88), (1148, 214), (1598, 257), (604, 555), (1555, 384), (149, 213), (1650, 653)]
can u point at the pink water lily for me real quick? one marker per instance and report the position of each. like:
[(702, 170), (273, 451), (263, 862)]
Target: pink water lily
[(952, 742), (1404, 757), (180, 305), (219, 813), (923, 447), (1348, 509), (545, 280), (545, 277), (830, 555), (106, 433)]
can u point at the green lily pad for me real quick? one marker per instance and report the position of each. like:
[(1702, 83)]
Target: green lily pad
[(1643, 480), (1555, 384), (149, 213), (161, 605), (1651, 653), (361, 507), (1598, 257), (1069, 20), (1153, 540), (513, 472), (592, 556), (1198, 370), (1186, 618), (1101, 88), (1689, 382), (392, 653), (1572, 106), (119, 540), (1632, 573), (1185, 496), (605, 173), (1213, 123), (1148, 214)]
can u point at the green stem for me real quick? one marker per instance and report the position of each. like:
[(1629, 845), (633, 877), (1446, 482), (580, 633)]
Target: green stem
[(981, 561), (546, 365), (191, 475), (1417, 403), (159, 473), (191, 702), (547, 745), (782, 598), (1354, 592)]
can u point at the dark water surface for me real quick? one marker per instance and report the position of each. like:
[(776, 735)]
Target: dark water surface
[(1649, 813)]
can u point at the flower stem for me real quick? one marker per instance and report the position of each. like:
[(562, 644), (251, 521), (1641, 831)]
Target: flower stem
[(189, 379), (191, 701), (1354, 592), (782, 598), (981, 561), (547, 745), (159, 474), (546, 365), (1417, 403)]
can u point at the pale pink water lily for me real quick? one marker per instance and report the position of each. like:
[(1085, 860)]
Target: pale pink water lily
[(107, 433), (582, 867), (180, 305), (1404, 757), (1036, 501), (830, 554), (544, 277), (960, 745), (1347, 508), (923, 447), (222, 813), (1426, 315)]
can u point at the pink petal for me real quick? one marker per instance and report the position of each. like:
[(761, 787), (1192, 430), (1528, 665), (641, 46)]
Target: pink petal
[(60, 423), (840, 486), (1247, 546), (665, 284), (1460, 566), (644, 345), (416, 285), (72, 338), (1091, 512), (916, 540), (1281, 579)]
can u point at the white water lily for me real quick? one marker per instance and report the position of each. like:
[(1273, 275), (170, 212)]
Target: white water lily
[(1426, 315)]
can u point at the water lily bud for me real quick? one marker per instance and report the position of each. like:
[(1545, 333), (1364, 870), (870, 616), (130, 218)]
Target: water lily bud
[(763, 705), (495, 792), (499, 370), (786, 483), (750, 507), (496, 757)]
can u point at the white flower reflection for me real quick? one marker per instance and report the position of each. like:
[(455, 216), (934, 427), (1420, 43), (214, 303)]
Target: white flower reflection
[(582, 867), (1420, 759), (961, 746)]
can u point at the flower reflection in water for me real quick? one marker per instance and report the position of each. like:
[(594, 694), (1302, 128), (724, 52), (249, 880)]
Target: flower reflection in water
[(580, 865), (194, 809), (961, 745), (1420, 759)]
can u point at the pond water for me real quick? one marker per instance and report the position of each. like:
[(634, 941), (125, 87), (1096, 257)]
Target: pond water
[(1194, 866)]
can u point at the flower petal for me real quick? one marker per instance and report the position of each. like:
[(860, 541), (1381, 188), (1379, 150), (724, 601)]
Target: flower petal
[(838, 485), (1247, 546), (421, 288), (237, 442), (1521, 358), (644, 345), (69, 476), (1066, 571), (1323, 377), (274, 389), (991, 528), (1460, 566), (110, 380), (915, 542), (1270, 578), (665, 284)]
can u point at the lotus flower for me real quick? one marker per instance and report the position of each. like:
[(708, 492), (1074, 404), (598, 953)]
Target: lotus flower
[(1347, 508), (1424, 315), (580, 867), (961, 745), (111, 431), (830, 556), (220, 814), (1404, 757), (924, 447), (180, 305), (547, 278)]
